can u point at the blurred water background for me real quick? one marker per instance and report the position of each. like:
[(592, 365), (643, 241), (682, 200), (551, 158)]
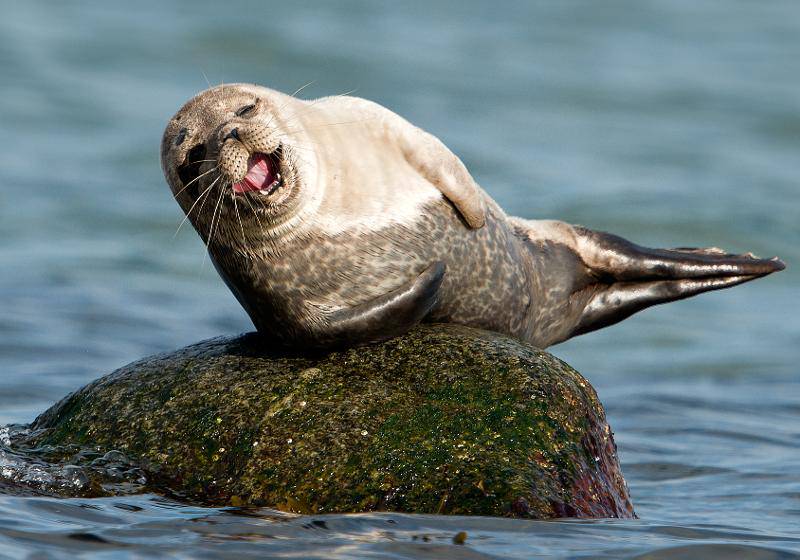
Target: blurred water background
[(670, 122)]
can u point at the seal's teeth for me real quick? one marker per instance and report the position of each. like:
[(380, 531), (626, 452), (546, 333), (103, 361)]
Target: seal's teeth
[(271, 188)]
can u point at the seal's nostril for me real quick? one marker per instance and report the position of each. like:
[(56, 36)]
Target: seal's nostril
[(233, 134)]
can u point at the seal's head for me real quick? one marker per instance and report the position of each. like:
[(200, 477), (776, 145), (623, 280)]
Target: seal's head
[(229, 156)]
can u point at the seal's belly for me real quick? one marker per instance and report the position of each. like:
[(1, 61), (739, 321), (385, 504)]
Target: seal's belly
[(486, 284)]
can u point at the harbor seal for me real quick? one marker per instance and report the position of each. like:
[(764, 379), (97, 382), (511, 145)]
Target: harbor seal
[(336, 222)]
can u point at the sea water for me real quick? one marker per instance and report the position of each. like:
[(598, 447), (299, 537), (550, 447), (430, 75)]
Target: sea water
[(669, 122)]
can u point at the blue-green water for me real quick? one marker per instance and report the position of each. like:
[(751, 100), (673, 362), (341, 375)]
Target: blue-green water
[(670, 122)]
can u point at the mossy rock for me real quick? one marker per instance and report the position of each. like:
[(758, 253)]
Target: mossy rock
[(445, 419)]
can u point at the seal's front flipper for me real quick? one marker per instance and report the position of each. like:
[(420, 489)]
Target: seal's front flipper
[(383, 317), (431, 159), (442, 168), (629, 278)]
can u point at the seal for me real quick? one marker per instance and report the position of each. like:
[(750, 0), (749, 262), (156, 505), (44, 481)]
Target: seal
[(336, 222)]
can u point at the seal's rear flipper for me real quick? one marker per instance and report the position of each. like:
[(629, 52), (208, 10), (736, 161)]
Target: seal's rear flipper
[(384, 317), (630, 278)]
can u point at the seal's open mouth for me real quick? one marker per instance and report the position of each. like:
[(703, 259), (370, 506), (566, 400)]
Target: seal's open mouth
[(263, 174)]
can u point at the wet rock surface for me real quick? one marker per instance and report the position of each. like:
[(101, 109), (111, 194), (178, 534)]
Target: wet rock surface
[(445, 419)]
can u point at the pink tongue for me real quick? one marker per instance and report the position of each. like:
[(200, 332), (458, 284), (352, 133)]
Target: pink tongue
[(259, 176)]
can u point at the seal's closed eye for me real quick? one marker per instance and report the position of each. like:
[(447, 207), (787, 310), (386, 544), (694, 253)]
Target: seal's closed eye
[(246, 110)]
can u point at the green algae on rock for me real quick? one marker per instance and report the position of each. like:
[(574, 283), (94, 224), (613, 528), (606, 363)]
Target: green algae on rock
[(444, 419)]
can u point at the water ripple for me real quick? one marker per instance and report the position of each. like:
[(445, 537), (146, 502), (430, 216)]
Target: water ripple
[(670, 122)]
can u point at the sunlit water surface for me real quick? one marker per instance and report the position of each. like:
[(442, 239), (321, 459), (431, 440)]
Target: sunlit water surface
[(670, 122)]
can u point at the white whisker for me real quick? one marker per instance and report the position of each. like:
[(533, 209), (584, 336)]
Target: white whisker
[(193, 180), (236, 207), (247, 198), (301, 88), (202, 195), (212, 229)]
